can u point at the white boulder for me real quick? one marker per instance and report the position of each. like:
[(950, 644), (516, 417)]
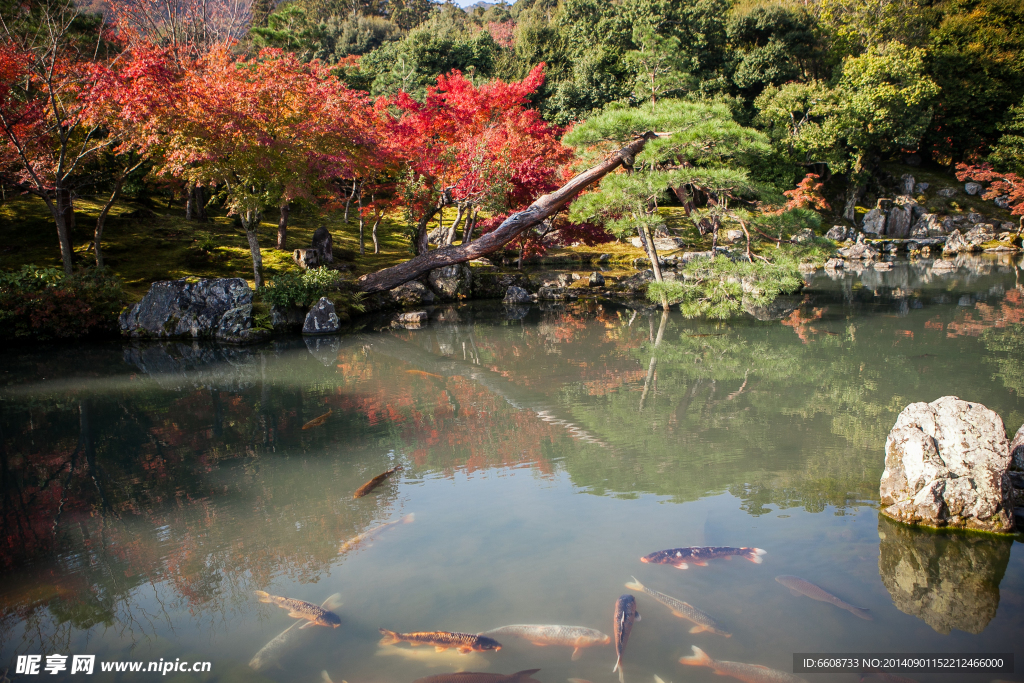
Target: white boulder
[(946, 465)]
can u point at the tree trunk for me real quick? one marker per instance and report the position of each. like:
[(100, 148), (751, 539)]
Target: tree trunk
[(251, 223), (282, 227), (359, 208), (652, 253), (373, 231), (102, 219), (421, 246), (62, 208), (195, 203), (450, 235), (467, 234), (348, 201), (510, 228)]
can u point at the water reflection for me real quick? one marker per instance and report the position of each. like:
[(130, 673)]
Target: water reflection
[(149, 486), (948, 580)]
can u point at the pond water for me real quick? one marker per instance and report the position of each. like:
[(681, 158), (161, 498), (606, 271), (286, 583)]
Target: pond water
[(149, 490)]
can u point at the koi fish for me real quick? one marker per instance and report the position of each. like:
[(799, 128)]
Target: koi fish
[(798, 586), (300, 609), (433, 659), (748, 673), (370, 534), (576, 637), (375, 482), (682, 558), (442, 640), (270, 653), (318, 421), (683, 610), (473, 677), (423, 373), (325, 677), (622, 624)]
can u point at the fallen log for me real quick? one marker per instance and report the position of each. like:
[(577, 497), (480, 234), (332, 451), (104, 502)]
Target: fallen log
[(511, 227)]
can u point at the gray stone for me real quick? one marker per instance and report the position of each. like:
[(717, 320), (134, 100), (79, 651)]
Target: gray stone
[(920, 188), (662, 243), (898, 220), (638, 283), (972, 188), (323, 244), (412, 293), (412, 318), (835, 264), (555, 294), (733, 236), (321, 318), (1017, 450), (974, 218), (947, 192), (516, 295), (803, 237), (207, 309), (955, 244), (596, 279), (946, 464), (874, 222), (928, 225), (564, 279), (604, 258), (306, 258), (859, 251), (1002, 202), (979, 234), (452, 282), (948, 583), (837, 233), (907, 184), (494, 285)]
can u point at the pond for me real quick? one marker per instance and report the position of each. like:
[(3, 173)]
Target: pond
[(150, 490)]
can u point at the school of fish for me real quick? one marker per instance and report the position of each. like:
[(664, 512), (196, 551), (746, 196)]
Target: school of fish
[(469, 646)]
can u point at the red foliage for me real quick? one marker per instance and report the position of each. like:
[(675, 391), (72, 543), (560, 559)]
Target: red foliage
[(503, 32), (999, 184), (806, 195)]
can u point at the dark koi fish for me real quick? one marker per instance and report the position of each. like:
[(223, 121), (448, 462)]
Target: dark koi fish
[(318, 421), (681, 558), (375, 482), (622, 624)]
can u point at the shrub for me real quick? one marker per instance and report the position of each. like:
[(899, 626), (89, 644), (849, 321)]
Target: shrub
[(305, 289), (42, 303)]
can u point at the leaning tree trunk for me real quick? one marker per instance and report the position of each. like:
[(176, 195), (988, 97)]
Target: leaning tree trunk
[(510, 228), (652, 253), (467, 234), (373, 231), (102, 219), (449, 237), (282, 227), (251, 223)]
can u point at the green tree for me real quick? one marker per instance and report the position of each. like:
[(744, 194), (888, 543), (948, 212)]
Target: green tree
[(976, 56), (774, 44), (698, 147), (1009, 150)]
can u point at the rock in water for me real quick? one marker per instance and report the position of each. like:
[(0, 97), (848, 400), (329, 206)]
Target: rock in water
[(323, 244), (208, 309), (321, 318), (516, 295), (955, 244), (946, 581), (946, 464), (452, 282), (1017, 450)]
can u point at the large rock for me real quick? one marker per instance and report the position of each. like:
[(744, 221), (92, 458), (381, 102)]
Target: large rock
[(874, 222), (972, 188), (928, 225), (861, 251), (596, 279), (283, 318), (207, 309), (947, 581), (1017, 450), (946, 464), (803, 237), (979, 235), (898, 221), (323, 244), (321, 318), (452, 282), (495, 285), (516, 295), (412, 294), (955, 244), (837, 233)]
